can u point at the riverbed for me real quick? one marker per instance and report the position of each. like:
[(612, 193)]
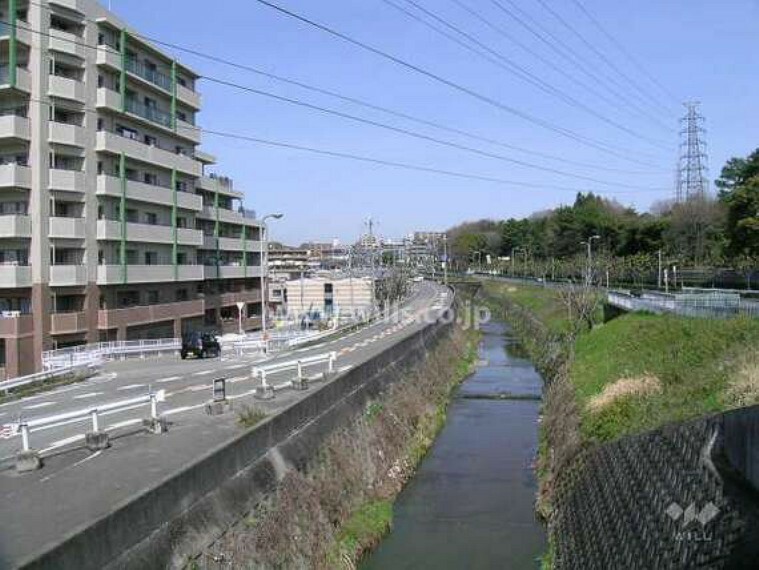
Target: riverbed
[(471, 503)]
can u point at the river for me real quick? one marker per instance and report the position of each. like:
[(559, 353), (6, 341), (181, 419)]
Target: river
[(471, 503)]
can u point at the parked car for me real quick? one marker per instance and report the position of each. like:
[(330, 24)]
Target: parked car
[(200, 344)]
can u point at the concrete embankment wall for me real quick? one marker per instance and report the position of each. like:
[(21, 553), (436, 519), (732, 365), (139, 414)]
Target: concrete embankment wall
[(166, 524), (683, 496)]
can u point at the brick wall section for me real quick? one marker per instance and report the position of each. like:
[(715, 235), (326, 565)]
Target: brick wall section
[(612, 503)]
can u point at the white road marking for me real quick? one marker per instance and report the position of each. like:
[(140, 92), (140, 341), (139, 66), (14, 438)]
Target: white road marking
[(40, 405), (236, 366), (66, 441), (131, 387), (199, 387), (237, 379), (87, 395), (202, 372), (86, 459), (125, 423), (169, 379), (181, 409)]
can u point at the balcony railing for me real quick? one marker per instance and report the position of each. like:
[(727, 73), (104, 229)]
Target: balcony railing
[(152, 75), (148, 112)]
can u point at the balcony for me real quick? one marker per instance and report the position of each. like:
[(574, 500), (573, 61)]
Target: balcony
[(218, 184), (16, 326), (15, 226), (150, 75), (15, 176), (230, 244), (66, 323), (66, 42), (66, 88), (111, 186), (114, 318), (111, 230), (112, 275), (67, 228), (68, 180), (63, 133), (23, 78), (188, 97), (22, 34), (109, 56), (14, 127), (15, 276), (189, 131), (68, 275), (75, 5), (113, 143), (231, 271)]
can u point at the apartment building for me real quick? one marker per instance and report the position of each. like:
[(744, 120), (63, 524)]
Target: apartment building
[(112, 225)]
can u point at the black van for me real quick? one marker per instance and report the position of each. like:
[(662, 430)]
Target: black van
[(200, 344)]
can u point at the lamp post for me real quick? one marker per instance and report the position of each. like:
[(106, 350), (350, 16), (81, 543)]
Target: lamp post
[(264, 300), (445, 259), (240, 306), (589, 243), (658, 274)]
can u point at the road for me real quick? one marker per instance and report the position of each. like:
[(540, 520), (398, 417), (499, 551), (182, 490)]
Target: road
[(76, 486)]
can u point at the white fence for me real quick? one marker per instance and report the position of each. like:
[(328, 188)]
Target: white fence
[(714, 304), (25, 428), (85, 368), (297, 365)]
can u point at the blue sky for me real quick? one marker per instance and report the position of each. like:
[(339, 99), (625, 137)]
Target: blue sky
[(697, 49)]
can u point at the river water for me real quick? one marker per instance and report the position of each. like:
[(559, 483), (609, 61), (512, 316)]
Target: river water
[(471, 503)]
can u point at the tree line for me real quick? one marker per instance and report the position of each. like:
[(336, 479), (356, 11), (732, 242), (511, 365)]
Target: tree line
[(700, 232)]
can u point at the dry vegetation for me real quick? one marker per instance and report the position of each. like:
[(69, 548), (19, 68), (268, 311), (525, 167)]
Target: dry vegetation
[(639, 387), (329, 515), (743, 389)]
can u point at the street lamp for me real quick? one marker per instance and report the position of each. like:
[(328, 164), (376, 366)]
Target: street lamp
[(589, 243), (240, 306), (264, 302)]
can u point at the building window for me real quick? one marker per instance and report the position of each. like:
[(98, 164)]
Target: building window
[(131, 257), (181, 223), (126, 132), (151, 219), (153, 297), (182, 295), (151, 258), (151, 140), (131, 215), (150, 178), (181, 258)]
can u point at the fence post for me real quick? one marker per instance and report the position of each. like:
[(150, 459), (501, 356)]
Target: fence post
[(300, 371), (95, 426), (153, 406), (332, 358), (24, 436)]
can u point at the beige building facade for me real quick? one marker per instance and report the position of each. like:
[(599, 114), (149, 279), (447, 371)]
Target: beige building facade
[(112, 224)]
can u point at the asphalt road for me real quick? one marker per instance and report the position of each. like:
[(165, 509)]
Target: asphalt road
[(76, 486)]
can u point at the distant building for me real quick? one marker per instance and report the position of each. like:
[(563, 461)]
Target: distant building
[(328, 296)]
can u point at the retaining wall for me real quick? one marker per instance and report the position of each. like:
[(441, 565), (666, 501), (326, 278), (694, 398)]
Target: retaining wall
[(683, 496), (166, 524)]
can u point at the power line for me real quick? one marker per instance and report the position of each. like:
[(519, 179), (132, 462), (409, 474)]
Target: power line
[(599, 54), (405, 132), (516, 69), (456, 86), (616, 103), (352, 100), (413, 133), (379, 161), (564, 50), (624, 51)]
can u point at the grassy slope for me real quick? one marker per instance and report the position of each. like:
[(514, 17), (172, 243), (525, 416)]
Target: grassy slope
[(693, 358)]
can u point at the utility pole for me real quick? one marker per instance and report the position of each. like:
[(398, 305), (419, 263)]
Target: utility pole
[(264, 272), (589, 243), (658, 275), (445, 259)]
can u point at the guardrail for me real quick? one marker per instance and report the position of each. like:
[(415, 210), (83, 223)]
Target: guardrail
[(88, 367), (62, 357), (29, 458), (267, 390), (714, 305)]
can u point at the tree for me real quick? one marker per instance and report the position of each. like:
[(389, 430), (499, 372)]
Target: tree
[(739, 192)]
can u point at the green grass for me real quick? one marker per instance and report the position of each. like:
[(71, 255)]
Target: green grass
[(691, 357), (364, 529), (541, 301)]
